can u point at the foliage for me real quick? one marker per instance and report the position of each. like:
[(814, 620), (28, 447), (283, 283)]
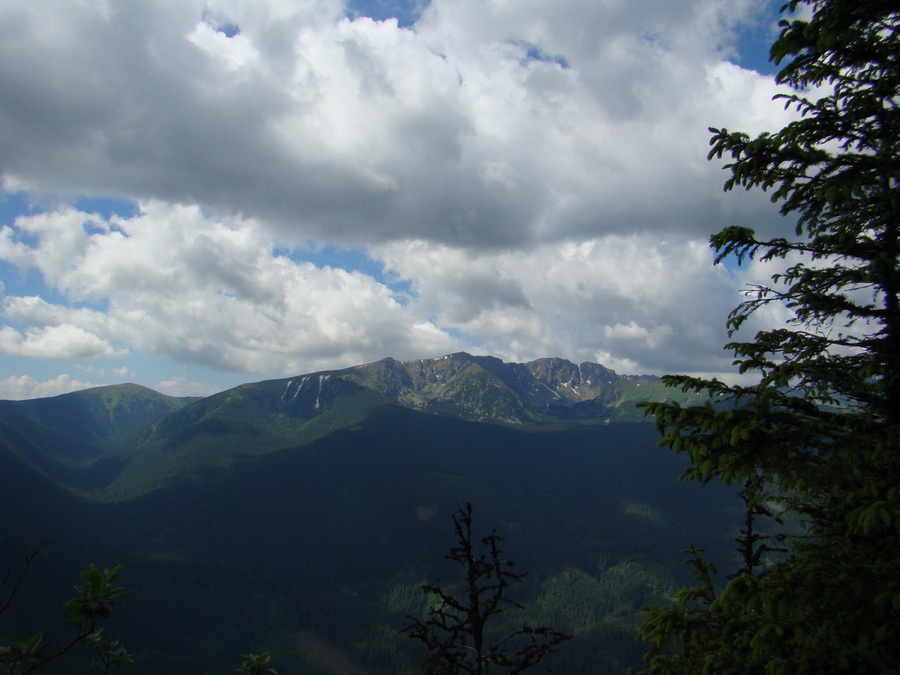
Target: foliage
[(455, 630), (256, 664), (819, 432), (95, 600)]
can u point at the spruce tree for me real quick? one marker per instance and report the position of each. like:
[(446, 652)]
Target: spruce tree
[(817, 433)]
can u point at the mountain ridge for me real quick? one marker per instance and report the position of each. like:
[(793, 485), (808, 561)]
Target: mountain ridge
[(475, 387), (487, 389), (122, 440), (62, 435), (316, 505)]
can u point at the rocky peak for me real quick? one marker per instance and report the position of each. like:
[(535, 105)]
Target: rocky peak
[(487, 388)]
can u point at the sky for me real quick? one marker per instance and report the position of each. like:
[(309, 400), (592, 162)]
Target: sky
[(195, 194)]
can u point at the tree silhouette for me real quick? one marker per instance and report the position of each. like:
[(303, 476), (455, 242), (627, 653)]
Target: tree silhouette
[(455, 628)]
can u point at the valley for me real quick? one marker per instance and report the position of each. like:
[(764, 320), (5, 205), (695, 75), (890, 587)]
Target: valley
[(301, 516)]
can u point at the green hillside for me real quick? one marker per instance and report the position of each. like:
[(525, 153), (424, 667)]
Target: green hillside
[(301, 516), (68, 437)]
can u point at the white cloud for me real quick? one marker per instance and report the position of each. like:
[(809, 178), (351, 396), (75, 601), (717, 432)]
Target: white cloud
[(175, 283), (644, 302), (360, 131), (22, 387), (234, 52), (202, 291), (537, 174), (182, 386), (65, 341)]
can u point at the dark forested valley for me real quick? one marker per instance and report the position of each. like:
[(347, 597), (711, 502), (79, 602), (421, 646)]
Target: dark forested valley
[(302, 516)]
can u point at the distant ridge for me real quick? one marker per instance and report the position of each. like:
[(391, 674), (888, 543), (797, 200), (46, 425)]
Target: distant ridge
[(81, 425), (485, 388), (124, 440)]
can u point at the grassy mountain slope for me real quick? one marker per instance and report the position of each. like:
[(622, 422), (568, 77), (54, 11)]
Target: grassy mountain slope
[(266, 417), (303, 514), (216, 432), (66, 436)]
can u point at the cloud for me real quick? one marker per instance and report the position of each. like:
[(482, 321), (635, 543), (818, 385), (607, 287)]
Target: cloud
[(176, 283), (359, 131), (200, 291), (182, 386), (536, 176), (643, 302), (23, 387), (62, 341)]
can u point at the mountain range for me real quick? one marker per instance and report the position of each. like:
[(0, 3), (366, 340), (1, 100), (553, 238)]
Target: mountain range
[(302, 515)]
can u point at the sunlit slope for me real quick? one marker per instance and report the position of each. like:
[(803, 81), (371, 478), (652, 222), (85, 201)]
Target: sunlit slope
[(246, 421), (484, 388)]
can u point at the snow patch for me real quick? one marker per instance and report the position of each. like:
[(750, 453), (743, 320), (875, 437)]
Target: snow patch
[(322, 380), (286, 388)]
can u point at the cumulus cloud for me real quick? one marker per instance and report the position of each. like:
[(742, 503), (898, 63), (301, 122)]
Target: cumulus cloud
[(22, 387), (487, 124), (631, 300), (201, 291), (64, 341), (176, 283), (534, 174)]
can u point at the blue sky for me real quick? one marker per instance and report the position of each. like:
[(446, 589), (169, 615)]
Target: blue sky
[(205, 193)]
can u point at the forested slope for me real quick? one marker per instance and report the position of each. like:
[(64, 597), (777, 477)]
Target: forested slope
[(308, 532)]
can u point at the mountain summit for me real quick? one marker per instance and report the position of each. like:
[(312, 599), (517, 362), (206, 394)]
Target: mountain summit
[(484, 388)]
